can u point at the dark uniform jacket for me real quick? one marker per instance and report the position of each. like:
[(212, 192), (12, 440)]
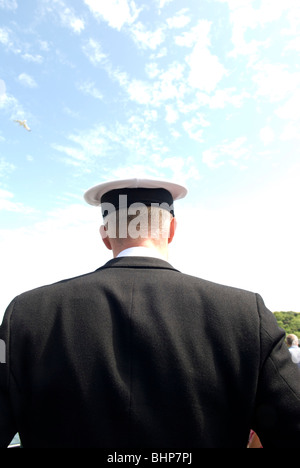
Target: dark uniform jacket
[(137, 354)]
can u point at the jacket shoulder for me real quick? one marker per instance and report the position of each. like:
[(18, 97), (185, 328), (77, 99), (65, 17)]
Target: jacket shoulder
[(218, 290), (54, 288)]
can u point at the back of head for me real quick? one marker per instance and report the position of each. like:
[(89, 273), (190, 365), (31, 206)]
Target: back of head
[(138, 223), (136, 212)]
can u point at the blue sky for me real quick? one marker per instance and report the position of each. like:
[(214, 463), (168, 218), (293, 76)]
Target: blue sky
[(202, 92)]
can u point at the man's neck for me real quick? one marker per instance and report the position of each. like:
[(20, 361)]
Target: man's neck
[(142, 251)]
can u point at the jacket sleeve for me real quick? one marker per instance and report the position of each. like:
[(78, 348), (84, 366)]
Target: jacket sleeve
[(7, 421), (277, 410)]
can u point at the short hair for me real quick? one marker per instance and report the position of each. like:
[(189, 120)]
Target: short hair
[(139, 221)]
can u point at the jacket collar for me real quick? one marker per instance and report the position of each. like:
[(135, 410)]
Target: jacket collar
[(140, 251), (138, 262)]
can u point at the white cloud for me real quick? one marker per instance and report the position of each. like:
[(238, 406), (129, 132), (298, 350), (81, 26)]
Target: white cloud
[(75, 156), (290, 110), (171, 114), (199, 34), (233, 152), (94, 142), (274, 82), (66, 15), (145, 38), (8, 4), (44, 45), (70, 20), (206, 71), (162, 3), (76, 24), (8, 204), (5, 38), (183, 169), (150, 115), (9, 103), (293, 44), (223, 97), (86, 147), (170, 84), (291, 133), (161, 53), (90, 89), (116, 13), (5, 168), (93, 50), (27, 80), (140, 91), (71, 112), (141, 171), (292, 31), (267, 135), (179, 169), (33, 58), (117, 75), (179, 21), (210, 158), (166, 85), (137, 140), (244, 15), (194, 127), (2, 88), (152, 70)]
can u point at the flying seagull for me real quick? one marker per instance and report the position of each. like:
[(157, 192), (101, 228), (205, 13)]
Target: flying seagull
[(23, 123)]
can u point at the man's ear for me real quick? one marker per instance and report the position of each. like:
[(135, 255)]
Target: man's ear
[(173, 226), (105, 237)]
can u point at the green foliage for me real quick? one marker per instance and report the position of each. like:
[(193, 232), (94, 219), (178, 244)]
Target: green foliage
[(289, 321)]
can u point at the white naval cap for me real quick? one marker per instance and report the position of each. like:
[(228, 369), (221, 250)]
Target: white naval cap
[(94, 196)]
